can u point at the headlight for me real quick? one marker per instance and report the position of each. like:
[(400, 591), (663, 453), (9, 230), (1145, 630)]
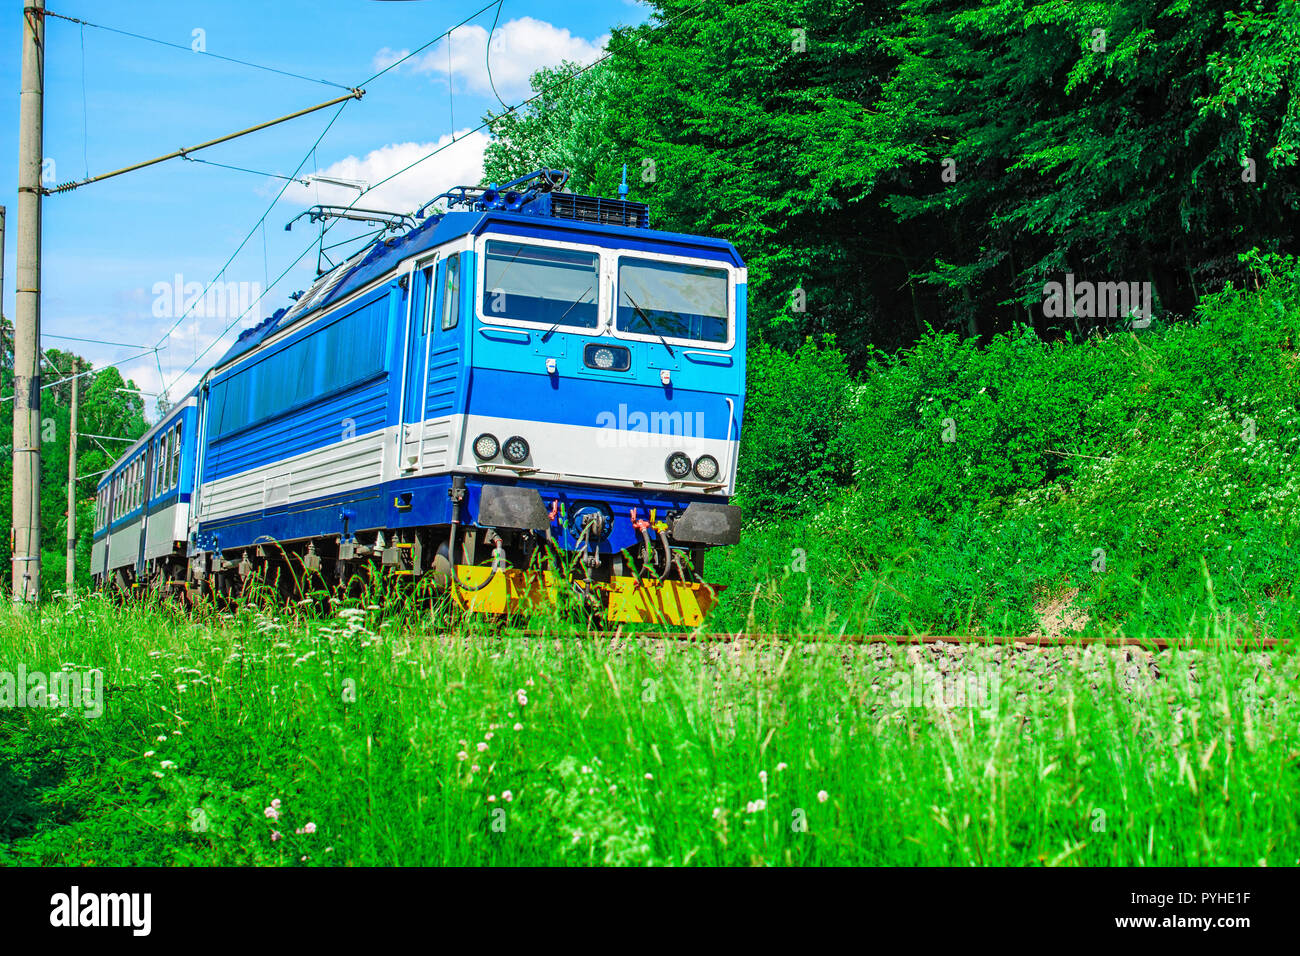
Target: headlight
[(486, 447), (706, 468), (607, 358), (516, 450), (678, 465)]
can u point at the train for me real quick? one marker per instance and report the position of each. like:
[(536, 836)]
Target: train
[(526, 396)]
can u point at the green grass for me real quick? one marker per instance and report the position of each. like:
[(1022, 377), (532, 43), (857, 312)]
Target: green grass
[(630, 754)]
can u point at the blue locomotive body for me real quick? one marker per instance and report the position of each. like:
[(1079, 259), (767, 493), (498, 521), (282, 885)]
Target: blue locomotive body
[(537, 364)]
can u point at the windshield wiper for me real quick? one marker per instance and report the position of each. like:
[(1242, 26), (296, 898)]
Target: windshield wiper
[(547, 334), (502, 277), (650, 325)]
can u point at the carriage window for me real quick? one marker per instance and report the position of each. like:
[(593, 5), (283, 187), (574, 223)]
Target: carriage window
[(160, 464), (176, 455), (451, 293), (541, 284), (169, 451), (672, 300)]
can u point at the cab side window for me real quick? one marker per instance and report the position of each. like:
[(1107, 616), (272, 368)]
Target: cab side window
[(451, 293), (176, 455)]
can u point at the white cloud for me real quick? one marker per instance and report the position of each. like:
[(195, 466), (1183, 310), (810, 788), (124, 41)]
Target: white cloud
[(519, 48), (184, 343), (148, 380), (387, 56), (459, 163)]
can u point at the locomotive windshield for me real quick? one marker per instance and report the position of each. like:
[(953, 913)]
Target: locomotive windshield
[(542, 284), (672, 300)]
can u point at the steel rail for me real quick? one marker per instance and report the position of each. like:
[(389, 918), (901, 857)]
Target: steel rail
[(1041, 642)]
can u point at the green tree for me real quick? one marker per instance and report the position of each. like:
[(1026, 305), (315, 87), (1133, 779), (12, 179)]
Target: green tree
[(102, 410), (562, 128), (895, 167)]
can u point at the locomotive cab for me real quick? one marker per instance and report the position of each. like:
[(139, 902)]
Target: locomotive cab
[(609, 365)]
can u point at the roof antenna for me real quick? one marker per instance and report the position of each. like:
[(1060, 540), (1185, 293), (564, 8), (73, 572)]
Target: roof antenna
[(622, 189)]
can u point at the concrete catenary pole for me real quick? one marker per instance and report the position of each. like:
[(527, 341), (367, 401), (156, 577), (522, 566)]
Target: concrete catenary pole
[(2, 265), (2, 305), (2, 279), (27, 312), (72, 487)]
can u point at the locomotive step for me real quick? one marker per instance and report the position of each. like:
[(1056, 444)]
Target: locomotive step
[(627, 600)]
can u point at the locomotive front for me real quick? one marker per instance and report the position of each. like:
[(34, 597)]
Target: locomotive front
[(603, 409)]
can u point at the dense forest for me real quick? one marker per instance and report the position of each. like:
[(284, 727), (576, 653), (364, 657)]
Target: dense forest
[(889, 168)]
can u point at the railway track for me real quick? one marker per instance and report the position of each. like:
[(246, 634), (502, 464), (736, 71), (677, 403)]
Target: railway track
[(1041, 642)]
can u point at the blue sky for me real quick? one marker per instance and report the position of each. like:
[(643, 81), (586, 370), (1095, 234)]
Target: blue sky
[(113, 250)]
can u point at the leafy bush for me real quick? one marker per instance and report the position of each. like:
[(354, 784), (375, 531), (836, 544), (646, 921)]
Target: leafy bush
[(794, 449), (1138, 468)]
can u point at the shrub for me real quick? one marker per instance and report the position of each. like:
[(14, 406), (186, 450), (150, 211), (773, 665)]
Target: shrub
[(1138, 468), (794, 448)]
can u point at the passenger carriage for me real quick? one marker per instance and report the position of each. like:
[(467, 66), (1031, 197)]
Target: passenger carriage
[(142, 516)]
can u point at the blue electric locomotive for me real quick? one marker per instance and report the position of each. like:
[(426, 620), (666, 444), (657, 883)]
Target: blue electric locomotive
[(532, 392)]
